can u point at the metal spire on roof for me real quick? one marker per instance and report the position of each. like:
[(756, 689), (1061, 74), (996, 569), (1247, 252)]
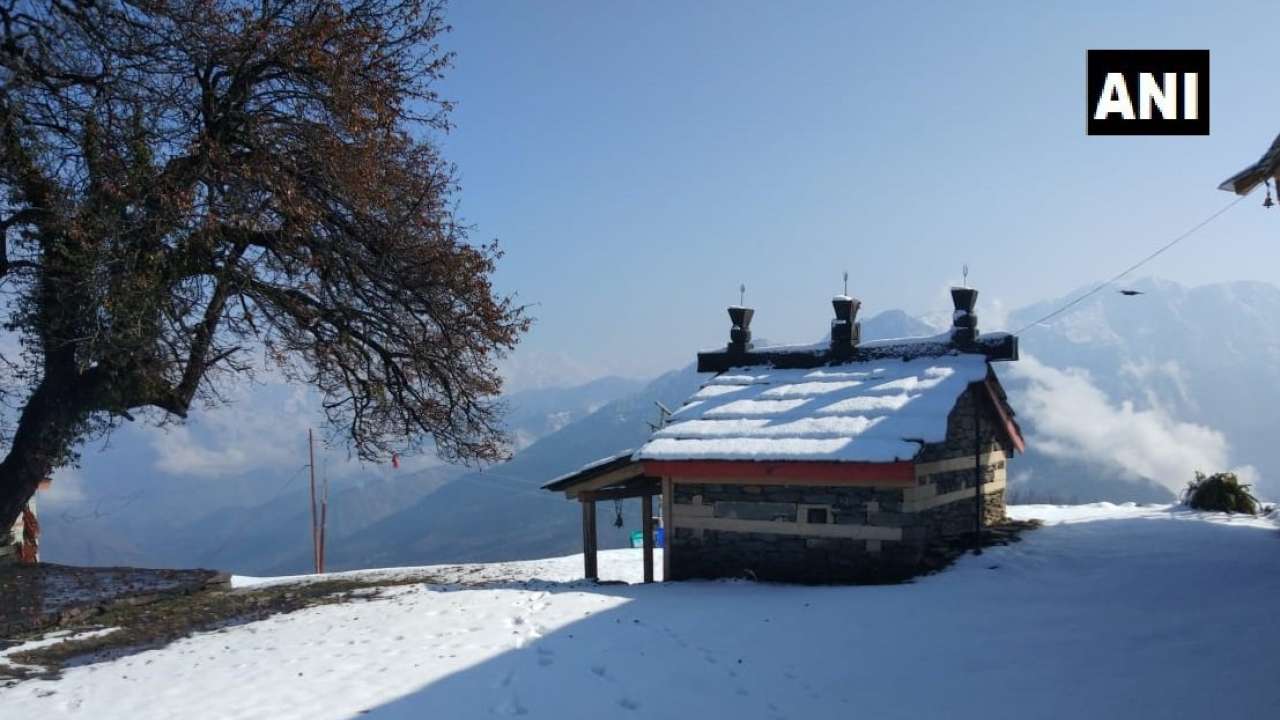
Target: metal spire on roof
[(742, 295), (846, 282)]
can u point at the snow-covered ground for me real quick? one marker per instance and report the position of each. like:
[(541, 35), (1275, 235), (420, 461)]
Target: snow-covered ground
[(1107, 612)]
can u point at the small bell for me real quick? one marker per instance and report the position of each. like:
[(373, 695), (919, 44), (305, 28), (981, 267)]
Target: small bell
[(617, 520), (1267, 203)]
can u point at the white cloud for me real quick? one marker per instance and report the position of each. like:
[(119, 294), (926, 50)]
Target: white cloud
[(67, 488), (1073, 418), (264, 427), (1149, 373)]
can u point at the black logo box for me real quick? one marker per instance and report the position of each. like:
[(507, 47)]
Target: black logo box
[(1131, 63)]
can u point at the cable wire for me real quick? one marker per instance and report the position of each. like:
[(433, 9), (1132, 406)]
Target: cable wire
[(1102, 286)]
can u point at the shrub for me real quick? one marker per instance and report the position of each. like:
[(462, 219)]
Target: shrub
[(1220, 492)]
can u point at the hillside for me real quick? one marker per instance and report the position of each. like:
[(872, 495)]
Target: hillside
[(1100, 614), (126, 505)]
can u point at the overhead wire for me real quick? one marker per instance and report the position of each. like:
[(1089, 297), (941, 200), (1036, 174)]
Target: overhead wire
[(1119, 276)]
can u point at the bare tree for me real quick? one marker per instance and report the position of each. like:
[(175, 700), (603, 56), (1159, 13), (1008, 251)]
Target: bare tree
[(192, 189)]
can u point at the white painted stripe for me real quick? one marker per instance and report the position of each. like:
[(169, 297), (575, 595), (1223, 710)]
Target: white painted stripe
[(778, 527)]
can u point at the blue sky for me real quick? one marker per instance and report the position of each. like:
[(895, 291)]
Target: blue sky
[(638, 161)]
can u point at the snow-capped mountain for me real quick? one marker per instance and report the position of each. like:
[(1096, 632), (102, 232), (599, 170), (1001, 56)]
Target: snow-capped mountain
[(1186, 373)]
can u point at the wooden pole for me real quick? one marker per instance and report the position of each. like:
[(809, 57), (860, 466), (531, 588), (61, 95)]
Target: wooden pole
[(315, 532), (977, 470), (646, 525), (324, 516), (589, 536), (668, 527)]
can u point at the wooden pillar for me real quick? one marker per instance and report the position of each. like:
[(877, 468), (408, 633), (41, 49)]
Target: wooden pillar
[(977, 470), (668, 527), (589, 535), (646, 526)]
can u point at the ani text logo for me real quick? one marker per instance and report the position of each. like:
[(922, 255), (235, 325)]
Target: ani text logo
[(1148, 92)]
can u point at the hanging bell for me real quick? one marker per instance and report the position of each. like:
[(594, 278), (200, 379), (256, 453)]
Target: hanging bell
[(1268, 202), (617, 520)]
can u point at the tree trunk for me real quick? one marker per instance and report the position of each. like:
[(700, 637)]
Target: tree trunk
[(48, 417)]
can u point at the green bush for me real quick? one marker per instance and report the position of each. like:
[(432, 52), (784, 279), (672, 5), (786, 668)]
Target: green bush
[(1220, 492)]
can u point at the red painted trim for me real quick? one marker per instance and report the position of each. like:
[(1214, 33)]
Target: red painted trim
[(860, 473), (1010, 427)]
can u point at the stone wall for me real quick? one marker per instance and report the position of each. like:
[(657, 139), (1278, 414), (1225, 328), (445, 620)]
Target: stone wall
[(799, 557), (761, 556), (960, 431), (958, 518)]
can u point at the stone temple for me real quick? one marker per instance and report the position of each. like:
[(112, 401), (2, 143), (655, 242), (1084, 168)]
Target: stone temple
[(841, 461)]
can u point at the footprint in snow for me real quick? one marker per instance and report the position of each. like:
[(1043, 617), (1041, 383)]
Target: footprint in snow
[(627, 703), (544, 656), (510, 708)]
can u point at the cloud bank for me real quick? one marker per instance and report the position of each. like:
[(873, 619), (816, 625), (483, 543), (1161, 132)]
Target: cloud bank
[(1073, 419)]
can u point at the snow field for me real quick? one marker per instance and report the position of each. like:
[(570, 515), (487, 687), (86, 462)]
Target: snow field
[(1107, 612)]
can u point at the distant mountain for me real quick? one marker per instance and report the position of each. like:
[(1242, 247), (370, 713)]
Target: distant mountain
[(1206, 355), (532, 414), (502, 512), (1121, 398), (127, 508)]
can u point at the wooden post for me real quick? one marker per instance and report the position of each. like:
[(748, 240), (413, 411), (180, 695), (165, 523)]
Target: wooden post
[(977, 470), (315, 527), (646, 525), (668, 527), (589, 536)]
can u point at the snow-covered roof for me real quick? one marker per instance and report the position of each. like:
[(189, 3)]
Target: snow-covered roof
[(868, 411)]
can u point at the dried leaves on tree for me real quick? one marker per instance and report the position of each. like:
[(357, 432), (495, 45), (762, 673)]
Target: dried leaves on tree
[(194, 189)]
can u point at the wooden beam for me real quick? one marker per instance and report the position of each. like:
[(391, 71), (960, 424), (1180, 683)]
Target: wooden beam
[(780, 527), (613, 477), (995, 485), (633, 490), (589, 537), (1010, 427), (646, 525), (964, 462), (741, 472)]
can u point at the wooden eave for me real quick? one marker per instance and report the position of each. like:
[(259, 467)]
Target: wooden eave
[(1007, 423), (617, 478), (899, 473)]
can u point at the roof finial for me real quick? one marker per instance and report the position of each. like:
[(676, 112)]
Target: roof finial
[(964, 273), (742, 295), (846, 282)]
